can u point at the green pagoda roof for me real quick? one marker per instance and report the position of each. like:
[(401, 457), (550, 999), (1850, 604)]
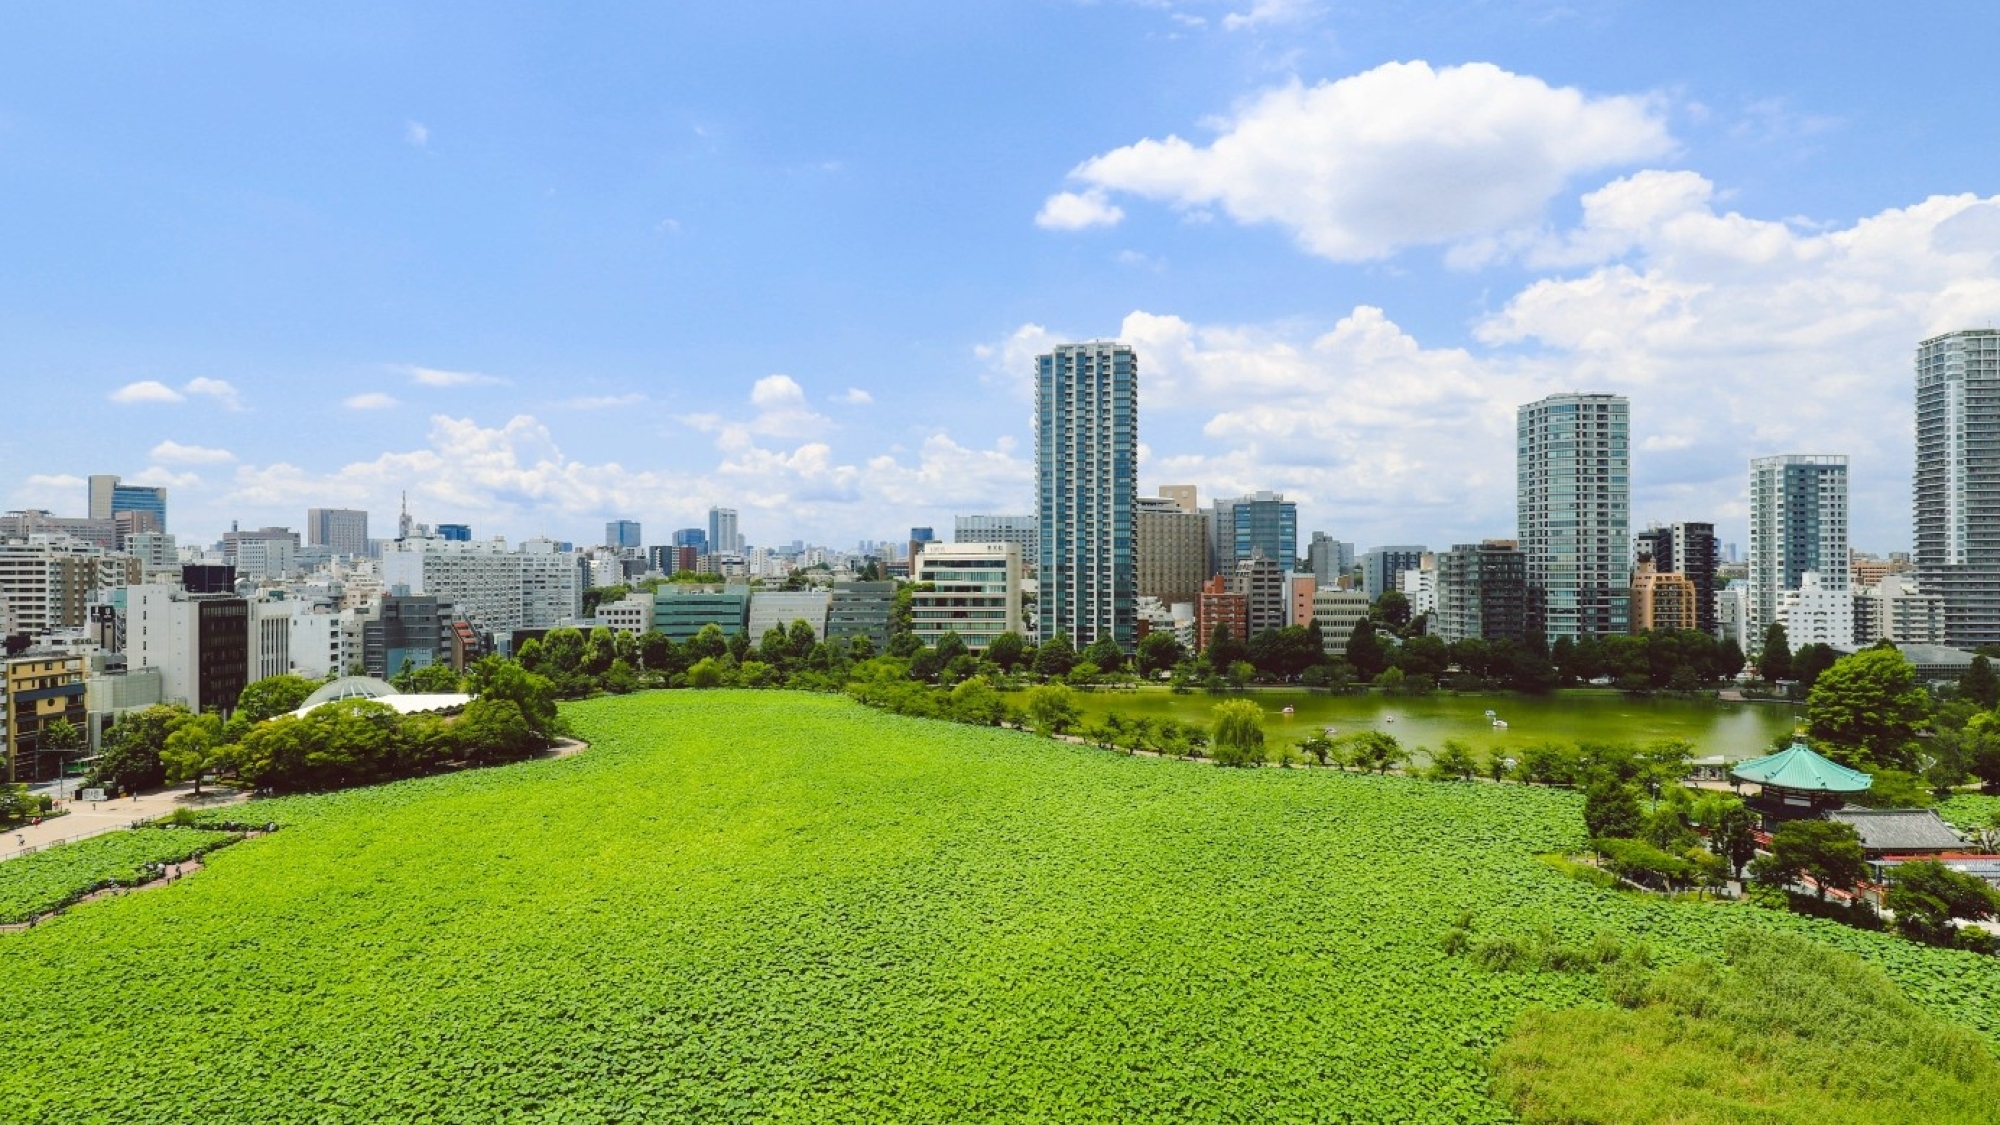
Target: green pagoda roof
[(1801, 769)]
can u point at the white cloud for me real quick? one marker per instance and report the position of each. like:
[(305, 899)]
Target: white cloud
[(780, 411), (435, 377), (146, 390), (152, 390), (516, 477), (416, 134), (54, 492), (956, 477), (854, 396), (1733, 336), (174, 453), (1265, 13), (1401, 155), (775, 391), (371, 400), (223, 393), (1747, 336), (1010, 364), (1068, 210), (157, 475)]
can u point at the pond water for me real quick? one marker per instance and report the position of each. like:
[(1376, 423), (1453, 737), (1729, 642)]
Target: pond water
[(1735, 730)]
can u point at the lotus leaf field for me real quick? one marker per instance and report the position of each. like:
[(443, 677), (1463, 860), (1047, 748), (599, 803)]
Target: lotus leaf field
[(36, 884), (772, 906)]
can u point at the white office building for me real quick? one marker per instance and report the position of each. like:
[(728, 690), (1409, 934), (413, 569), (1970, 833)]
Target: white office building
[(780, 608), (270, 638), (1421, 587), (266, 558), (632, 614), (1817, 613), (47, 582), (324, 640), (976, 592), (1899, 610), (499, 590)]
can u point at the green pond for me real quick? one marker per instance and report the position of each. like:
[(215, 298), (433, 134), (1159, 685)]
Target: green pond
[(1735, 730)]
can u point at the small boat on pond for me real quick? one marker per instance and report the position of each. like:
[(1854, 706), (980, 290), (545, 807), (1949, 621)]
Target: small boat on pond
[(1286, 711), (1499, 724)]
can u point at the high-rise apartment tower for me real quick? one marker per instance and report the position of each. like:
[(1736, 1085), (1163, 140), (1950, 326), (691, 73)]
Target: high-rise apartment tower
[(1573, 491), (1957, 484), (1086, 491), (1798, 524)]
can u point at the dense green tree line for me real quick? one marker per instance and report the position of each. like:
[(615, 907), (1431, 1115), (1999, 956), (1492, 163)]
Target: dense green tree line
[(263, 745)]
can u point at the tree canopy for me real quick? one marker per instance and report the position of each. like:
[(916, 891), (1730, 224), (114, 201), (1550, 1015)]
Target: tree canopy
[(1865, 711)]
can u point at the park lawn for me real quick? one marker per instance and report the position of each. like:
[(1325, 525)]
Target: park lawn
[(747, 906)]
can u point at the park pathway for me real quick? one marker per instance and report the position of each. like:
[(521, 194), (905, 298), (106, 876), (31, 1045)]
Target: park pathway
[(86, 818)]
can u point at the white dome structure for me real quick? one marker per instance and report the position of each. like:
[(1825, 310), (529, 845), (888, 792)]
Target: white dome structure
[(384, 692), (349, 687)]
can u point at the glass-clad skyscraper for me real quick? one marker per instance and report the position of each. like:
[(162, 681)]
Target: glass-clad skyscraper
[(1262, 523), (1957, 485), (1573, 490), (109, 497), (1086, 492), (723, 538)]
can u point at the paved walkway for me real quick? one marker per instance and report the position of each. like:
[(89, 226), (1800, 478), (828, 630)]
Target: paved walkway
[(86, 819)]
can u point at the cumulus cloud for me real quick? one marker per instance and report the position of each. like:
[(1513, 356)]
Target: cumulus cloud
[(55, 492), (779, 410), (775, 391), (174, 453), (223, 393), (1751, 336), (160, 476), (152, 390), (1733, 336), (146, 390), (436, 377), (1401, 155), (1069, 210), (1010, 363), (516, 476), (370, 400), (854, 396)]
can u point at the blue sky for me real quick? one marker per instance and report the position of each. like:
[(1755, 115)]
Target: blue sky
[(543, 269)]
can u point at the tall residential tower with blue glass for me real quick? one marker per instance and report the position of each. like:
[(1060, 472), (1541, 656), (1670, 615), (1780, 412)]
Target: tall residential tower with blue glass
[(1086, 492), (1574, 492)]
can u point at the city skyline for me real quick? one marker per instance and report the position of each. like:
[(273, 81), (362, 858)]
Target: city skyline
[(697, 287)]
